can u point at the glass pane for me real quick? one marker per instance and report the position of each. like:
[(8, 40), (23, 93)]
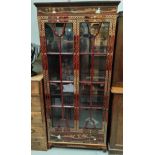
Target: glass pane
[(84, 95), (97, 95), (68, 98), (98, 89), (84, 38), (85, 64), (86, 121), (97, 100), (68, 95), (101, 40), (99, 68), (54, 67), (68, 120), (52, 40)]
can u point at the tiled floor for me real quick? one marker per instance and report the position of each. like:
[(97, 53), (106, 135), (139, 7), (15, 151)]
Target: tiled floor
[(66, 151)]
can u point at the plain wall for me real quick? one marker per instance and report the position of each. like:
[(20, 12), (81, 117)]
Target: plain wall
[(34, 24)]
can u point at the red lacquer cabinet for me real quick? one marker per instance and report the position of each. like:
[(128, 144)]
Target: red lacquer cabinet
[(77, 41)]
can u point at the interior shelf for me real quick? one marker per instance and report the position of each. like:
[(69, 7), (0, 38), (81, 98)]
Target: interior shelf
[(58, 81), (57, 53)]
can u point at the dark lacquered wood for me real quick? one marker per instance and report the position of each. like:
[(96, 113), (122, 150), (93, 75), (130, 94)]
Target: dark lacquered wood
[(70, 4), (115, 132), (117, 74)]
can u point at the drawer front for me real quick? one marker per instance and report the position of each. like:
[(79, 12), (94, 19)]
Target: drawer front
[(38, 132), (35, 88), (36, 122), (36, 118), (35, 104), (38, 139), (39, 143)]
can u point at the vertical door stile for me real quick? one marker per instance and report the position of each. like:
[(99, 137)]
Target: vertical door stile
[(109, 68), (77, 74), (45, 72), (106, 96), (110, 57)]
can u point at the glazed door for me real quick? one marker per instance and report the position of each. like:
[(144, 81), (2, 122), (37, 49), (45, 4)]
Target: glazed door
[(93, 75), (60, 51)]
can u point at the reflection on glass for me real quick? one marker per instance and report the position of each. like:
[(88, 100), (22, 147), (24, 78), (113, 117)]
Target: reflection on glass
[(53, 41), (96, 98), (54, 67), (86, 121), (84, 38), (67, 94), (57, 120), (99, 67), (84, 95), (85, 65), (101, 40)]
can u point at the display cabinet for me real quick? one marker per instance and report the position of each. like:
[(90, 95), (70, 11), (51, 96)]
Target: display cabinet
[(115, 138), (77, 41)]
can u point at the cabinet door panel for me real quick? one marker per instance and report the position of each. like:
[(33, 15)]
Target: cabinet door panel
[(60, 57), (93, 51)]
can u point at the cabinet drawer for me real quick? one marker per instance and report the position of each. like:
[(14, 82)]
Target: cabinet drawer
[(36, 119), (37, 132), (36, 122), (36, 116), (36, 100), (39, 143), (35, 104), (35, 88), (38, 139)]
